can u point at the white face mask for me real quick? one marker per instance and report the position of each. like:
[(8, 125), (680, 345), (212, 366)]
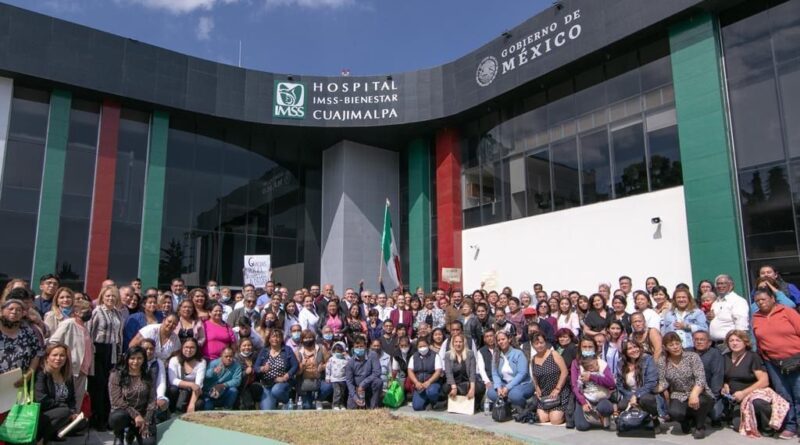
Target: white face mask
[(404, 350), (424, 350)]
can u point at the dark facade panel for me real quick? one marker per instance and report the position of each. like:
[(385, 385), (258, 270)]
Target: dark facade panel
[(43, 47)]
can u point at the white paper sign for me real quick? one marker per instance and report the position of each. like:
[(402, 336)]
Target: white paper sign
[(257, 270), (8, 393), (461, 405), (451, 275)]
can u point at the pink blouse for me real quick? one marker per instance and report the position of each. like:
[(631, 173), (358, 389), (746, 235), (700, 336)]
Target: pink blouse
[(217, 338)]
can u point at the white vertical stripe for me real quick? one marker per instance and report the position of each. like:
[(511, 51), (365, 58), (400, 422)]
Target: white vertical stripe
[(6, 93)]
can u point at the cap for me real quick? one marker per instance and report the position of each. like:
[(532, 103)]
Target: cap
[(529, 312)]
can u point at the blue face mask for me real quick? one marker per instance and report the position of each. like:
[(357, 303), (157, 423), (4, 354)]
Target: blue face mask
[(359, 352), (338, 355), (67, 311), (296, 336), (587, 354), (327, 337)]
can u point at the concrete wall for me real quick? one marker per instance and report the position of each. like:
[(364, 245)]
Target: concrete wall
[(578, 248), (356, 181)]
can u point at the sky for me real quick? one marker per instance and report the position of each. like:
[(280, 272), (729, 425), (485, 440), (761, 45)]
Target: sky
[(312, 37)]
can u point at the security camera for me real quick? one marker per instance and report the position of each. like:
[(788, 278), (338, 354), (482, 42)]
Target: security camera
[(655, 220)]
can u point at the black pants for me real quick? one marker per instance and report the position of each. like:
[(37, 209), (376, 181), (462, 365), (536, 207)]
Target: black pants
[(119, 419), (250, 396), (98, 385), (462, 388), (647, 403), (763, 412), (51, 421), (179, 399), (339, 394), (680, 411)]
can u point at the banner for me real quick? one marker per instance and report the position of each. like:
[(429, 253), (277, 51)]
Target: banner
[(257, 270)]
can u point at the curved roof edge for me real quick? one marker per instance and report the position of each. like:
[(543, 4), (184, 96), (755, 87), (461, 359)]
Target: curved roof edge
[(40, 46)]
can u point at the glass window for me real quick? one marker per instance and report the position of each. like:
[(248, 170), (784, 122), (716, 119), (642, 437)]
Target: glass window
[(789, 78), (566, 183), (767, 212), (630, 172), (76, 205), (30, 110), (665, 155), (514, 182), (537, 180), (756, 141), (492, 186), (595, 167), (126, 220)]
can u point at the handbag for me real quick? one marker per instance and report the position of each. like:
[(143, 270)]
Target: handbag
[(501, 412), (395, 396), (548, 403), (634, 422), (309, 385), (23, 419), (789, 365)]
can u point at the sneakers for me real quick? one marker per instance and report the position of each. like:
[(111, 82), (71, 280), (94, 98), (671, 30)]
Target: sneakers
[(787, 435)]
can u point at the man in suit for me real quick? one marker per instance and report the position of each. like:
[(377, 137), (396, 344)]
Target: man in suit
[(322, 302)]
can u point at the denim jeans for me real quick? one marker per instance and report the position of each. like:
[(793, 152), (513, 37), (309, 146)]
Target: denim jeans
[(421, 399), (518, 395), (325, 391), (278, 392), (225, 400), (788, 386)]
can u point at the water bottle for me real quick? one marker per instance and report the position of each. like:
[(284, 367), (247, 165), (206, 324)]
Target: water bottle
[(487, 406), (317, 402), (299, 402), (290, 405)]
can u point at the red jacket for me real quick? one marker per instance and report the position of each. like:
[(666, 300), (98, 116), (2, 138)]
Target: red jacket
[(777, 334), (407, 320)]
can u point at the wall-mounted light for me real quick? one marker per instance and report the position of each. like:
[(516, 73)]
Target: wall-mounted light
[(657, 221), (290, 78), (389, 77), (477, 250), (506, 34), (558, 5)]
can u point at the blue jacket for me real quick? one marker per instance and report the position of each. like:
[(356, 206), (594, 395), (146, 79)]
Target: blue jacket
[(362, 373), (231, 376), (649, 376), (288, 357), (696, 320), (135, 322), (519, 368)]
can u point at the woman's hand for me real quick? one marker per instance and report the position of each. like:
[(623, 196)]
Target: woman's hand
[(555, 392), (162, 404), (634, 401), (248, 370), (585, 376), (587, 407), (265, 367), (139, 421), (679, 325), (453, 391), (538, 392), (471, 394), (738, 396), (694, 401), (725, 389), (283, 378)]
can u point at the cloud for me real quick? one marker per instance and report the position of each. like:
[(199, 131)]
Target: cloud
[(204, 27), (181, 6), (313, 4)]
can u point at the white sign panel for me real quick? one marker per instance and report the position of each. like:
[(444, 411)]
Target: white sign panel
[(257, 270), (451, 275)]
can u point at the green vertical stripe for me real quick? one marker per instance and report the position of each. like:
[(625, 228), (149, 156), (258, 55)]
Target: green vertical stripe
[(708, 173), (419, 214), (55, 153), (152, 214)]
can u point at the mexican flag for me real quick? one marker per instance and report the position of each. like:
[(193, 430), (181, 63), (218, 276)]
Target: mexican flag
[(390, 256)]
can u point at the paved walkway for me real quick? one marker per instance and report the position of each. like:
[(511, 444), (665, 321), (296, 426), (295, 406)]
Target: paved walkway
[(535, 434)]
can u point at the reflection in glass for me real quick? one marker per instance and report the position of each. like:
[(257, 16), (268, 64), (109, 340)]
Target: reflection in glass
[(767, 212), (630, 172), (566, 189), (595, 167), (537, 179)]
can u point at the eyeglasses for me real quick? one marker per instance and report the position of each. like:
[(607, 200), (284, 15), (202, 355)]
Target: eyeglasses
[(249, 301)]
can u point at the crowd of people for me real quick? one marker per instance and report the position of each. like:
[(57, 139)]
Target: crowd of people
[(709, 358)]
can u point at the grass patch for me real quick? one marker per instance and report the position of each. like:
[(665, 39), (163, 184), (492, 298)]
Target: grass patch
[(326, 427)]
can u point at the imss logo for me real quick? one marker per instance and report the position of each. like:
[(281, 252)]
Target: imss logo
[(290, 100)]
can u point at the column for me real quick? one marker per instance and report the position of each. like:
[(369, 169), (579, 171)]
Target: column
[(708, 173), (153, 212), (103, 197), (6, 95), (419, 214), (55, 153), (448, 201)]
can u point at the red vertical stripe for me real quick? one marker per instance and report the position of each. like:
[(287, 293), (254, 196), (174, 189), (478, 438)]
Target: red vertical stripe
[(448, 201), (103, 198)]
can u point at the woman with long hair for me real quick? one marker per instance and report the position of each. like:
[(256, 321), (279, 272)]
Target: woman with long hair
[(460, 372), (218, 334), (55, 392), (567, 318), (105, 329), (618, 306), (636, 379), (186, 373), (683, 317), (510, 377), (61, 309), (150, 314), (189, 325), (276, 367), (133, 399), (74, 333), (598, 317)]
